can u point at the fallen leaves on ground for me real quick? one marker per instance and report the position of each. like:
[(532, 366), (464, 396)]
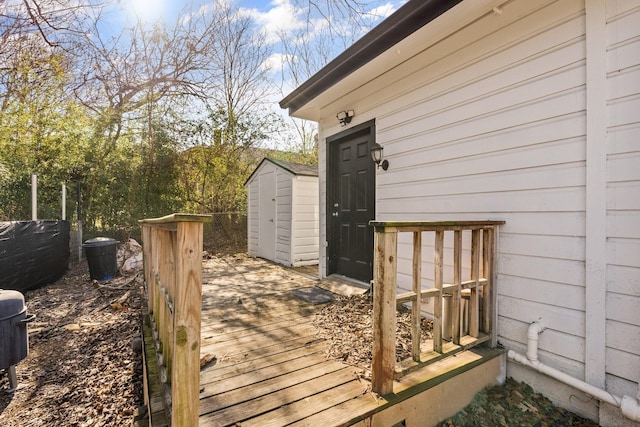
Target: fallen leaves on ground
[(514, 404), (83, 367), (346, 322)]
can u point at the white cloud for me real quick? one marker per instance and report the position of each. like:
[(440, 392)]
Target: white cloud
[(282, 18), (276, 62)]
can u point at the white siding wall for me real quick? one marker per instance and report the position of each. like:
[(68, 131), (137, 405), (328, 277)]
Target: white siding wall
[(623, 197), (304, 226)]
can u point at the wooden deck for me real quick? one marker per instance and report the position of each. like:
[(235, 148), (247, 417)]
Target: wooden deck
[(268, 365)]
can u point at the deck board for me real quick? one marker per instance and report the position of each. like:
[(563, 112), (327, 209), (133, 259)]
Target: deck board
[(338, 382), (224, 398)]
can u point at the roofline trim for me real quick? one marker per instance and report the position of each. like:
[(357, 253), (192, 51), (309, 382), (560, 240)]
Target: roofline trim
[(412, 16)]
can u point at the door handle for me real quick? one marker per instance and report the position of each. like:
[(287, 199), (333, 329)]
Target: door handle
[(334, 214)]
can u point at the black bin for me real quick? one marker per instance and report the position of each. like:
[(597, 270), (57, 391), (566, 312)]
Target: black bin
[(101, 257)]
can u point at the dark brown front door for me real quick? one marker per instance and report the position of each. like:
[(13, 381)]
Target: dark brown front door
[(351, 202)]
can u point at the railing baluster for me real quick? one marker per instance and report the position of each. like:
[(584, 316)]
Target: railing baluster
[(474, 303), (486, 273), (163, 316), (438, 262), (170, 287), (456, 306), (417, 288)]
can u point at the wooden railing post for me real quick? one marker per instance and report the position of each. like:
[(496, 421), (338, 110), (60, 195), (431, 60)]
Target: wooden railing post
[(490, 295), (172, 248), (384, 311), (185, 375)]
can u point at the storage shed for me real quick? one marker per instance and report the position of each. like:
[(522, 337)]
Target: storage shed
[(283, 213)]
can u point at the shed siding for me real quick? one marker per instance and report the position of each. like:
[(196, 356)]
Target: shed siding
[(623, 197), (304, 225)]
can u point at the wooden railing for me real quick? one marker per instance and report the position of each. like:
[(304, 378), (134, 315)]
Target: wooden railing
[(172, 248), (470, 303)]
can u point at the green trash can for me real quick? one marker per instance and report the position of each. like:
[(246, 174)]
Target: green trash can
[(101, 255)]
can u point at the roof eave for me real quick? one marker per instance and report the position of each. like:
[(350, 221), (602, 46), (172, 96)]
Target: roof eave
[(412, 16)]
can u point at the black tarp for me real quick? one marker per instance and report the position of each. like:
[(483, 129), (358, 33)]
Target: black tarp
[(32, 253)]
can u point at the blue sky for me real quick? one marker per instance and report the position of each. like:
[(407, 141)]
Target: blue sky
[(274, 17)]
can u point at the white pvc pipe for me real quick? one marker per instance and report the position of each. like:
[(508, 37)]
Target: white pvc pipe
[(34, 197), (64, 202), (629, 406), (535, 329)]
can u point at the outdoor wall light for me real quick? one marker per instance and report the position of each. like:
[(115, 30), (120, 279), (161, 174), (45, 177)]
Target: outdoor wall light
[(344, 117), (376, 156)]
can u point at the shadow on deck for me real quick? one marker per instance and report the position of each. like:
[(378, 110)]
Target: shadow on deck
[(267, 365)]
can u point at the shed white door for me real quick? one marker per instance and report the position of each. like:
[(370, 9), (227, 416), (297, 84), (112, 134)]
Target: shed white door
[(267, 209)]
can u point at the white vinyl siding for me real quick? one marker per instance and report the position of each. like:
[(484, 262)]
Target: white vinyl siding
[(623, 197), (304, 227)]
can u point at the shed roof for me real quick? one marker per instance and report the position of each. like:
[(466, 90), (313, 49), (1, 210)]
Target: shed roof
[(300, 169), (412, 16)]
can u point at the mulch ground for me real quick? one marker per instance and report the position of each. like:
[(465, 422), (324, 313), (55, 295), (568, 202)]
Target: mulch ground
[(84, 366)]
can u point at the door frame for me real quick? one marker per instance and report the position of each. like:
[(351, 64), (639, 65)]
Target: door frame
[(332, 142)]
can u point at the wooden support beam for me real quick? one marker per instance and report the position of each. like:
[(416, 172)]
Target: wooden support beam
[(384, 312), (417, 287)]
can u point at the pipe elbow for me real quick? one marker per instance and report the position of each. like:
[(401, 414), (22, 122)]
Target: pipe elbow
[(630, 408), (535, 329)]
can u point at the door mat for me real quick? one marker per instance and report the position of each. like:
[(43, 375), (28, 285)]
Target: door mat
[(313, 294)]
